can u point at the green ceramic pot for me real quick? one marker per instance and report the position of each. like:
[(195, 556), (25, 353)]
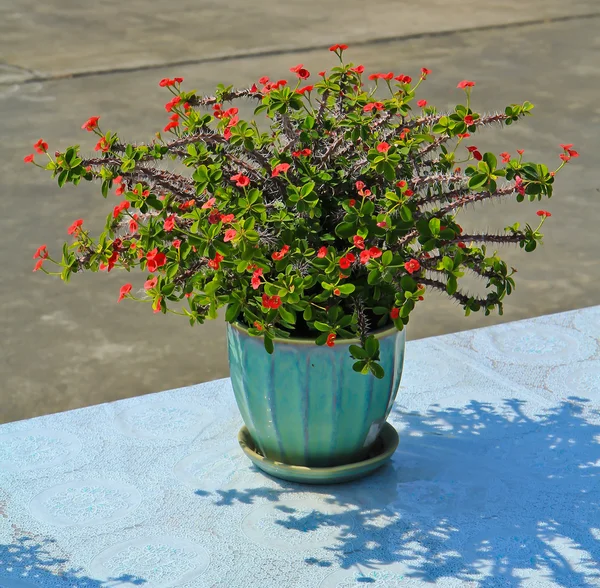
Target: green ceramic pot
[(304, 405)]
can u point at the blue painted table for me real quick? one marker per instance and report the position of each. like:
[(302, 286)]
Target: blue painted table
[(495, 482)]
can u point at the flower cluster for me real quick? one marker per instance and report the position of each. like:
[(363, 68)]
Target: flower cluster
[(333, 222)]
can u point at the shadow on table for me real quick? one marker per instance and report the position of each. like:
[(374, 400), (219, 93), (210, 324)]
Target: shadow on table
[(476, 490), (28, 563)]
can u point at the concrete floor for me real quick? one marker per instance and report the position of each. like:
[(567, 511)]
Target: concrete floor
[(67, 346)]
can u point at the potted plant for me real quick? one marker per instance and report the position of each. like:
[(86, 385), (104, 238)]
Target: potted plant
[(318, 232)]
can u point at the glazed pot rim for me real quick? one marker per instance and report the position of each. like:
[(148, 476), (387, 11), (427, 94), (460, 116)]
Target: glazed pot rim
[(379, 334)]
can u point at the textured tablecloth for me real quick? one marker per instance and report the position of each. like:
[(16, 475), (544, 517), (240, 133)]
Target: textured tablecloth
[(495, 482)]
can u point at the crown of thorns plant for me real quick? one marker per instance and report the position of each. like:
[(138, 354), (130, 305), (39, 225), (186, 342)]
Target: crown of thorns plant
[(331, 221)]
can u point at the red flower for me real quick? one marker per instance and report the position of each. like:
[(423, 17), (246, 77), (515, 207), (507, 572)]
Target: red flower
[(359, 242), (322, 73), (364, 257), (264, 80), (543, 213), (412, 266), (465, 84), (38, 264), (151, 283), (155, 260), (29, 158), (271, 301), (565, 157), (477, 155), (345, 263), (102, 145), (373, 106), (566, 146), (464, 135), (468, 119), (375, 252), (408, 193), (403, 79), (165, 82), (277, 255), (383, 147), (337, 292), (505, 156), (331, 339), (300, 72), (461, 244), (351, 257), (305, 89), (119, 208), (41, 252), (172, 125), (216, 262), (187, 204), (258, 326), (573, 153), (240, 180), (338, 47), (322, 252), (519, 185), (177, 243), (214, 217), (169, 223), (394, 313), (91, 123), (382, 224), (360, 185), (425, 72), (358, 69), (209, 203), (256, 278), (520, 151), (229, 235), (422, 103), (172, 103), (227, 218), (125, 289), (404, 133), (41, 146), (74, 228), (178, 80), (281, 168), (156, 306), (133, 226), (352, 202)]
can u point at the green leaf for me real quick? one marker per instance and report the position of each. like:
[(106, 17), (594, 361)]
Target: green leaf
[(434, 226), (372, 346), (308, 313), (322, 327), (491, 160), (359, 366), (287, 316), (387, 257), (347, 288), (478, 180), (269, 347), (358, 352), (345, 230), (373, 277), (233, 310), (376, 370), (452, 285)]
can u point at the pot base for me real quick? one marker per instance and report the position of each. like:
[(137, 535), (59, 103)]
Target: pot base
[(381, 450)]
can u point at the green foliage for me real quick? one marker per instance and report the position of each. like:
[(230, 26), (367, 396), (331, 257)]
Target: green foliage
[(309, 224)]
